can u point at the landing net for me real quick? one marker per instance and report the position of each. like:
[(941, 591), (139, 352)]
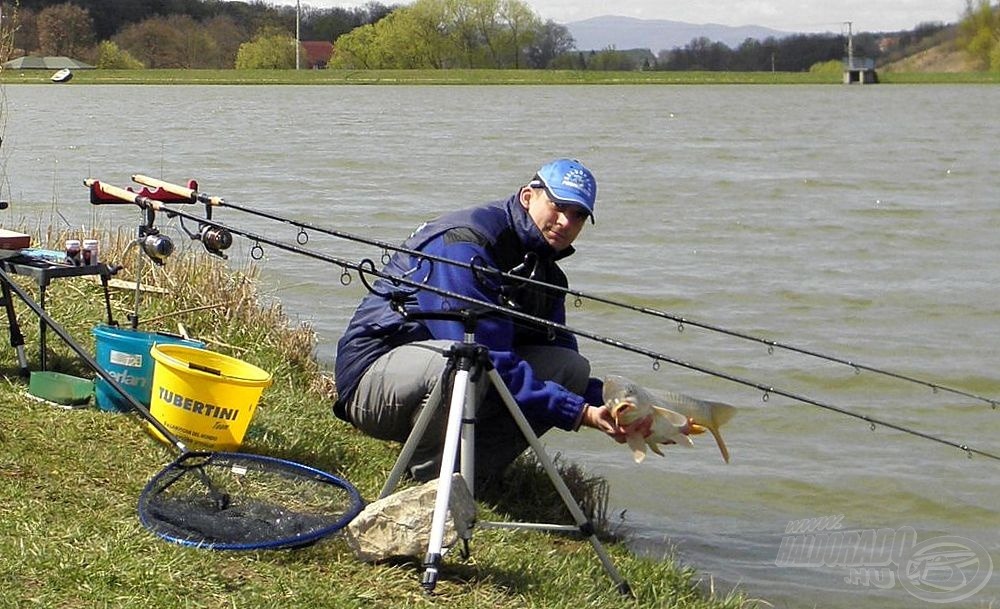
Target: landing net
[(234, 501)]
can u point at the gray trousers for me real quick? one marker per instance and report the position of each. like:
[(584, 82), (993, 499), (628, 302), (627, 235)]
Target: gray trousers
[(394, 390)]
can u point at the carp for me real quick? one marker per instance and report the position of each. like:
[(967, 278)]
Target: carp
[(667, 419)]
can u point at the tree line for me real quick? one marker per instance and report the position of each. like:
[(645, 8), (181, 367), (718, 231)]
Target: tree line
[(455, 34), (132, 34), (423, 34), (167, 33), (115, 15)]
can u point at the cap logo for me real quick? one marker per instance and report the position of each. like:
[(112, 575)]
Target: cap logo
[(577, 178)]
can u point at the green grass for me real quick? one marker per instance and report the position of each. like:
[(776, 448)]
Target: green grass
[(70, 481), (471, 77), (924, 78), (387, 77)]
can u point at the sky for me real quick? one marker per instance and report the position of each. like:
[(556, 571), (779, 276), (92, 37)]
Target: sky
[(785, 15)]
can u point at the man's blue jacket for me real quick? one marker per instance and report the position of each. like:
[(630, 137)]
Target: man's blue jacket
[(500, 235)]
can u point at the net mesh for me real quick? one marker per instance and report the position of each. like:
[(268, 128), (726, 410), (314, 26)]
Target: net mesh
[(241, 501)]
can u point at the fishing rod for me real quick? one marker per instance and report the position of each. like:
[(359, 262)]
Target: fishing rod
[(101, 193), (190, 194)]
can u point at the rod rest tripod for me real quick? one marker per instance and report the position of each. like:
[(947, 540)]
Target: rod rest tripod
[(466, 363)]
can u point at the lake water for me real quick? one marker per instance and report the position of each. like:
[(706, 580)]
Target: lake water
[(860, 222)]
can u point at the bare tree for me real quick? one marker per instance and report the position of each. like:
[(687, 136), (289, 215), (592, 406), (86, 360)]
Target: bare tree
[(65, 29), (228, 36), (24, 25), (149, 42)]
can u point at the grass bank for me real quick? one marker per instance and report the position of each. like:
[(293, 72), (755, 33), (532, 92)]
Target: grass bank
[(472, 77), (411, 77), (70, 481)]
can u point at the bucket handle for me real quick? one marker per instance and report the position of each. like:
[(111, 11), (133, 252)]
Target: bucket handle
[(216, 372), (207, 369)]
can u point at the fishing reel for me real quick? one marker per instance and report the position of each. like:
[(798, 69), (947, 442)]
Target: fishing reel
[(216, 239), (157, 246), (151, 242)]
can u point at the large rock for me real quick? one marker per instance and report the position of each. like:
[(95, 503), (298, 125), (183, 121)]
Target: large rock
[(400, 524)]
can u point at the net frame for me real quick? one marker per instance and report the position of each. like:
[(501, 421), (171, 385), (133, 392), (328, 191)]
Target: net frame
[(185, 518)]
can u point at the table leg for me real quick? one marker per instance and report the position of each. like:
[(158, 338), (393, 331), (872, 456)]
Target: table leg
[(41, 328), (107, 298), (16, 338)]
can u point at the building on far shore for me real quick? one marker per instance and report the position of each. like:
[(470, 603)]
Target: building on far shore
[(860, 71), (857, 71), (318, 53)]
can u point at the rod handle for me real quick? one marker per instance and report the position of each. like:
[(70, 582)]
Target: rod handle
[(177, 189), (109, 192), (103, 194)]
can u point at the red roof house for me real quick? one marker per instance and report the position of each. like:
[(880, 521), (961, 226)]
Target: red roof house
[(318, 53)]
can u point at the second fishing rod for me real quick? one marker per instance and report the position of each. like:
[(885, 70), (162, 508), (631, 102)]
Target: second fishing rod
[(190, 194), (404, 286)]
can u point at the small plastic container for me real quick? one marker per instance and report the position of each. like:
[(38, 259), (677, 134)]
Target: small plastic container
[(73, 249), (90, 254), (61, 388)]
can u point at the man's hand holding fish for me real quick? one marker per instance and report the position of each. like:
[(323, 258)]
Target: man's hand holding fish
[(644, 421)]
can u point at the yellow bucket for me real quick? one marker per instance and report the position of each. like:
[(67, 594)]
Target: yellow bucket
[(204, 397)]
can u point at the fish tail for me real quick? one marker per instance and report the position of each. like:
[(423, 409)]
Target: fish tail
[(720, 442)]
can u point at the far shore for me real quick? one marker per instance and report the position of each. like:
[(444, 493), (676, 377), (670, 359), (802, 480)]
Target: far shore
[(474, 77)]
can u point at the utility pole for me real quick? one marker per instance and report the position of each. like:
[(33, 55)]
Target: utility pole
[(298, 19), (850, 46)]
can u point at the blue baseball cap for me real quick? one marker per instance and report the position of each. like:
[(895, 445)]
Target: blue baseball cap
[(568, 181)]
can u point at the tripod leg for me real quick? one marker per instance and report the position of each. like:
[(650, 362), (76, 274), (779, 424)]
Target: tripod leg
[(448, 456), (432, 403), (467, 463), (585, 526)]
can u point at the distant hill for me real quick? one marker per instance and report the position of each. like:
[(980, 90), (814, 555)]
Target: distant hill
[(927, 51), (656, 35), (941, 58)]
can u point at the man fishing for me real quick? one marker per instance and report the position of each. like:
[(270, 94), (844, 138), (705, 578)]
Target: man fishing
[(388, 364)]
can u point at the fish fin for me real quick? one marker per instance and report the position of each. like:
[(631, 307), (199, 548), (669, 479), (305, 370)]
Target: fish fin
[(673, 417), (722, 412), (638, 445), (721, 443), (656, 449), (704, 412)]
